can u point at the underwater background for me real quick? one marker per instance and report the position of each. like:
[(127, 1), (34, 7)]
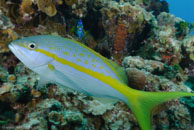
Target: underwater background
[(155, 48), (182, 9)]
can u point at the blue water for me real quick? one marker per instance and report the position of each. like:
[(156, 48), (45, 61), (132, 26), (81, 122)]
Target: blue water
[(183, 9)]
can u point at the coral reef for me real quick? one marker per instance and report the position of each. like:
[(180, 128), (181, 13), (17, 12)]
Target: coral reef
[(131, 19), (6, 32), (47, 6), (188, 50), (136, 78), (26, 7), (164, 45), (79, 7), (153, 46), (61, 107), (119, 41), (53, 107), (5, 22), (158, 80)]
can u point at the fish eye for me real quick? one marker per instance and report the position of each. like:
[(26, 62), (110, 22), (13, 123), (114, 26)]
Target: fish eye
[(32, 46)]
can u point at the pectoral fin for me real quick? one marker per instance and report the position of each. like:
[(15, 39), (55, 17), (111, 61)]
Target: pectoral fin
[(42, 81)]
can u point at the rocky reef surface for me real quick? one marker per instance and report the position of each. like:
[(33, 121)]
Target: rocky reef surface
[(155, 48)]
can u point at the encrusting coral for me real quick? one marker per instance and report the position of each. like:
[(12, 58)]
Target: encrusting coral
[(119, 41), (61, 108), (188, 47), (131, 19), (151, 45), (136, 78), (164, 45), (47, 6), (26, 7), (156, 80), (6, 32)]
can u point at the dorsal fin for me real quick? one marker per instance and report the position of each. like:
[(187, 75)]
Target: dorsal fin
[(120, 72)]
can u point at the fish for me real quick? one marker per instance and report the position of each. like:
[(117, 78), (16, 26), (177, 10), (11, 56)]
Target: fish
[(74, 65), (79, 29)]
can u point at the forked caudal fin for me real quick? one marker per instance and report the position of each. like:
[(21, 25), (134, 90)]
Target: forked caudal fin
[(142, 103)]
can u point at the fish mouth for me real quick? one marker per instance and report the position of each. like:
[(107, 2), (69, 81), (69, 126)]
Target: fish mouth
[(12, 48), (21, 56), (15, 51)]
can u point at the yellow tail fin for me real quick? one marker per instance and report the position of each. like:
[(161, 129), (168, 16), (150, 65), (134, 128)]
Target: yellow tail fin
[(142, 103)]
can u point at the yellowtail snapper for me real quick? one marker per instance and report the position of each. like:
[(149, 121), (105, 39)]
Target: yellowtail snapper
[(71, 64)]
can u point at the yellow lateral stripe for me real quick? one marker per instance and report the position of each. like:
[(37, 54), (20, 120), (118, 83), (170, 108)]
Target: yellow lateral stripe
[(95, 53), (98, 55), (112, 82)]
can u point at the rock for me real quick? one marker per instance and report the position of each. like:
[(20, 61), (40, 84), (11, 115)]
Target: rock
[(136, 78)]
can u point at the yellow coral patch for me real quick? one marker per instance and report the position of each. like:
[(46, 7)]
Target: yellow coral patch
[(26, 7), (70, 2), (47, 6)]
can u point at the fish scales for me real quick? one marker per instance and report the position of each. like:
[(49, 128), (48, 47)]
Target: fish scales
[(74, 52)]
